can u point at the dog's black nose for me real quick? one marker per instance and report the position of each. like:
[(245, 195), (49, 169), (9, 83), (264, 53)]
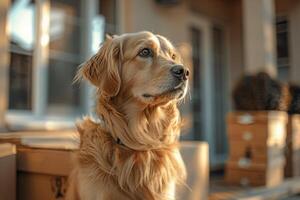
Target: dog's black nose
[(180, 72)]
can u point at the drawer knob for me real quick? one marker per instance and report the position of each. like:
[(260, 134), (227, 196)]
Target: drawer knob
[(245, 119), (244, 181), (247, 136), (244, 162)]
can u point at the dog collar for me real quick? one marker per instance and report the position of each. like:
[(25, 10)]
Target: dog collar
[(120, 142)]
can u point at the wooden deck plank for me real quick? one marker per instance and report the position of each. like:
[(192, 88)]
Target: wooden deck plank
[(288, 188)]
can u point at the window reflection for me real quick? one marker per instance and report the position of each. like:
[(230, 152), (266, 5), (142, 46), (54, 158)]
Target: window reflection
[(21, 32), (282, 48), (64, 56)]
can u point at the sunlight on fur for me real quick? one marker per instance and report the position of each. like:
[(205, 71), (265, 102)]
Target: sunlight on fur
[(133, 152)]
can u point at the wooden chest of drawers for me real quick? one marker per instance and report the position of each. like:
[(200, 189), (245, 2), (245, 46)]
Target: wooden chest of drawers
[(256, 148)]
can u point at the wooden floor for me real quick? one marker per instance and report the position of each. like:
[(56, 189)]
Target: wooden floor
[(288, 190)]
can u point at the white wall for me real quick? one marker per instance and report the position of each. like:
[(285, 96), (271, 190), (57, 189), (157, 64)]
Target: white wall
[(140, 15)]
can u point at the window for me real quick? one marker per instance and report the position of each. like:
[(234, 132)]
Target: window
[(64, 58), (48, 41), (219, 77), (196, 36), (282, 48), (22, 40)]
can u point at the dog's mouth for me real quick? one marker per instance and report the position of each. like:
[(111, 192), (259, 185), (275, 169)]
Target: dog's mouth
[(177, 91)]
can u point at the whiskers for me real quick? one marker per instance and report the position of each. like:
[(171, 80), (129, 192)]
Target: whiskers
[(187, 97)]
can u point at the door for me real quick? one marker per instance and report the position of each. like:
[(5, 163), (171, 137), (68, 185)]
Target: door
[(220, 92), (197, 102), (210, 94)]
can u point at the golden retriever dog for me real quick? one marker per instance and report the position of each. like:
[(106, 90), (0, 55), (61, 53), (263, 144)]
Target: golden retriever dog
[(132, 153)]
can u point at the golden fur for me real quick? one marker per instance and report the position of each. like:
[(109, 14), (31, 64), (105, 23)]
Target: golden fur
[(137, 103)]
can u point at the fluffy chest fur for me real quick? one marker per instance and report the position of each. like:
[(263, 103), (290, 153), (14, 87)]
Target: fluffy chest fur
[(105, 165)]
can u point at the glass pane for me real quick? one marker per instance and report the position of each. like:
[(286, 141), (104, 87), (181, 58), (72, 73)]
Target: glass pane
[(64, 57), (282, 46), (282, 39), (21, 32), (196, 36), (283, 74), (219, 71)]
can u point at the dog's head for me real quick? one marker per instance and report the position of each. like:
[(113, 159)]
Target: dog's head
[(140, 65)]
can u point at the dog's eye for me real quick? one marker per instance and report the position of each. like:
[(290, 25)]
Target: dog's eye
[(145, 53)]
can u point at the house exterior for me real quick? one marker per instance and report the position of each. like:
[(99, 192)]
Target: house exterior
[(219, 40)]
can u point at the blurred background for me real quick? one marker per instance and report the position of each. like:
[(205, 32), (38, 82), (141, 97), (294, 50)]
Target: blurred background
[(42, 43)]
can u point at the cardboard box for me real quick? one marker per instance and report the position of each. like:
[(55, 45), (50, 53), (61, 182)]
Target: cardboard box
[(292, 167), (42, 173), (7, 171), (196, 158)]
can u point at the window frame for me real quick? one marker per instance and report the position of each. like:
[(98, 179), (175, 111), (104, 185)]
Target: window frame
[(4, 61), (37, 117)]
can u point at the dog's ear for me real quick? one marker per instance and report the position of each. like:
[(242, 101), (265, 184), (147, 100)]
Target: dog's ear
[(102, 70)]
